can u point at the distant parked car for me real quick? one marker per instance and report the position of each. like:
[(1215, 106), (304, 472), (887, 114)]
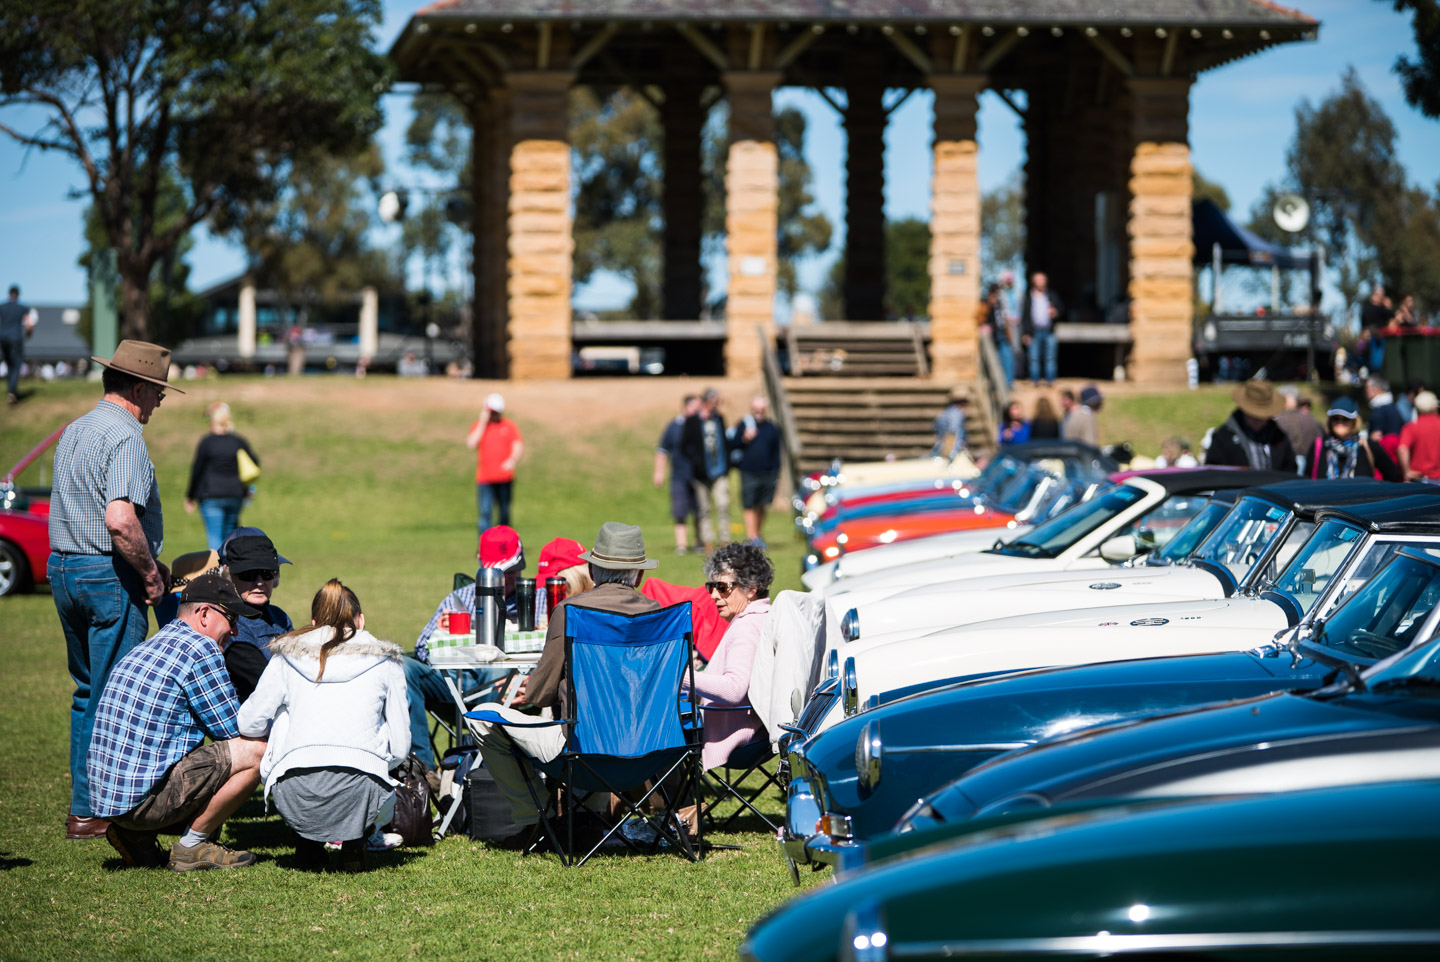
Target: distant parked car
[(25, 526)]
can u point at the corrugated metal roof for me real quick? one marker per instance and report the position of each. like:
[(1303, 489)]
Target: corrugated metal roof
[(1238, 13)]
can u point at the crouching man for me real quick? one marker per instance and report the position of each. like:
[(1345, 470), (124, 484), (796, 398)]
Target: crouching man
[(148, 771)]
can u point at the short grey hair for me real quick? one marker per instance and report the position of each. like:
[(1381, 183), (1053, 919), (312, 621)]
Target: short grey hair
[(629, 577), (1378, 383)]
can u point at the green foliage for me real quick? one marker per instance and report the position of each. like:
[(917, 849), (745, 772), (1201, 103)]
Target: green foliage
[(1205, 189), (1421, 76), (438, 138), (907, 273), (1002, 227), (223, 93)]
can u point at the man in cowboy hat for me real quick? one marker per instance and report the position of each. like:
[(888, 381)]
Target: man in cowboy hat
[(617, 564), (106, 533), (1250, 438)]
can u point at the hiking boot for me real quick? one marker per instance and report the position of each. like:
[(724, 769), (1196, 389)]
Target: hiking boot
[(138, 849), (207, 855)]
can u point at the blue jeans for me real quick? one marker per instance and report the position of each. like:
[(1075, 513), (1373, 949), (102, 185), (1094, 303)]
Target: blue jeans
[(14, 354), (490, 497), (1042, 342), (221, 516), (1007, 361), (426, 691), (101, 603)]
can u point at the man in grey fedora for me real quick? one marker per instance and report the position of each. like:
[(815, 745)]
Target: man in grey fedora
[(106, 533), (617, 565)]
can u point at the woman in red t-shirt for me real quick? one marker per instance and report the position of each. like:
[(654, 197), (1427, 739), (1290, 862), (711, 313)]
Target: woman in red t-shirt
[(497, 445)]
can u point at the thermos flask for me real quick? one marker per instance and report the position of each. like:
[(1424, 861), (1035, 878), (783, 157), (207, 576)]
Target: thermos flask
[(490, 607), (525, 603), (555, 589)]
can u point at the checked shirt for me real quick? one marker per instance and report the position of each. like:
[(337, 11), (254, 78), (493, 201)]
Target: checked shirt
[(161, 701), (100, 458)]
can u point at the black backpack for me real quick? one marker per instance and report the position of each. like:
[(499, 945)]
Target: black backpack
[(412, 821)]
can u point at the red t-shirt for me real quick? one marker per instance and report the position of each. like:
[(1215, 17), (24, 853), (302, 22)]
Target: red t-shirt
[(708, 627), (1422, 437), (494, 450)]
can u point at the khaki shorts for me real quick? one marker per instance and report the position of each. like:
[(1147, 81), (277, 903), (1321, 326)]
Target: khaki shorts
[(185, 790)]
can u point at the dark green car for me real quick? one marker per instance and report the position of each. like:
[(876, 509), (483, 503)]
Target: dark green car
[(1343, 873)]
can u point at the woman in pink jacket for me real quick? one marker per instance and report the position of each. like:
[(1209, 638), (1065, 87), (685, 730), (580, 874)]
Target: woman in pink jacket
[(737, 578)]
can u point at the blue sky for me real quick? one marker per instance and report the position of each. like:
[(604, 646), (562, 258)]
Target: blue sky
[(1241, 118)]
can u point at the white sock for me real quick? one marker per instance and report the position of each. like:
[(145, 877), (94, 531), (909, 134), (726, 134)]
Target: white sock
[(192, 838)]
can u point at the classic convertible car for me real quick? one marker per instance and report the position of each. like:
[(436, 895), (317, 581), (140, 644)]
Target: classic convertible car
[(1341, 873), (859, 777), (25, 525), (1268, 743)]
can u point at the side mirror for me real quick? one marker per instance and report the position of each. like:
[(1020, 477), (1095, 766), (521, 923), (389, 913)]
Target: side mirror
[(1119, 549)]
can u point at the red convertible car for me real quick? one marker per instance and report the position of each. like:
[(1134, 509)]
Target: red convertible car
[(24, 526)]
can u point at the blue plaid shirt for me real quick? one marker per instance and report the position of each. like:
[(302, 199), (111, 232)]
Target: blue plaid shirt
[(161, 701), (100, 458)]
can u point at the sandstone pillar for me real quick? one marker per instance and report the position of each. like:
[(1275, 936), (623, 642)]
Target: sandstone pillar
[(540, 242), (752, 204), (865, 193), (369, 322), (682, 120), (245, 318), (955, 229), (1161, 246)]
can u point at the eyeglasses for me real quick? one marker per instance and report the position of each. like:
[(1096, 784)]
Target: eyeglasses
[(230, 616), (721, 588), (258, 574)]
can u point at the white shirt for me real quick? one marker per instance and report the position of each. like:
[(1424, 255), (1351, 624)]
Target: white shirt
[(1040, 310)]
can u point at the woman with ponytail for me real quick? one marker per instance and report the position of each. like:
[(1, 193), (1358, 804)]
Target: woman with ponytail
[(332, 703)]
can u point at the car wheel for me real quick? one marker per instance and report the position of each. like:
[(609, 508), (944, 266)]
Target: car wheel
[(14, 572)]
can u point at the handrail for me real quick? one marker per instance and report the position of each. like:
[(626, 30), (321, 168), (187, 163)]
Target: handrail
[(994, 396), (779, 402)]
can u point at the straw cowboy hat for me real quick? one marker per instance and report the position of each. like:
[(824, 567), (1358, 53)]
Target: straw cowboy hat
[(149, 362), (619, 546), (1259, 399)]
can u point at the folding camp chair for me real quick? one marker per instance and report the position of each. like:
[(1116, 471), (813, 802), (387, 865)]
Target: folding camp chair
[(629, 728), (727, 780)]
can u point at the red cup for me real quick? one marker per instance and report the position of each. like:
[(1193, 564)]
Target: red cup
[(456, 622)]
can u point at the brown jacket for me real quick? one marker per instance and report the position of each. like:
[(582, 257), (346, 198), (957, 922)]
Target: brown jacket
[(546, 686)]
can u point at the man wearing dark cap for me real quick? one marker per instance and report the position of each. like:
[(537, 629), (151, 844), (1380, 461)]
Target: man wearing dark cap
[(500, 548), (106, 533), (148, 769), (253, 566), (617, 565)]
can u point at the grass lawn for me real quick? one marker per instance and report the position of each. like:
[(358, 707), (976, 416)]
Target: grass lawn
[(369, 482)]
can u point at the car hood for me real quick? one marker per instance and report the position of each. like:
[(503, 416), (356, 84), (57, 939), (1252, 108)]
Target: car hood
[(905, 562), (1147, 755)]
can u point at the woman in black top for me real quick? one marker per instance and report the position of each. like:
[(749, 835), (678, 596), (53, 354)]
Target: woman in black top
[(215, 484)]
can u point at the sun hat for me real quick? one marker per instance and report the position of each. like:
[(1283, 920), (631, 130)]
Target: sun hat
[(500, 548), (216, 589), (247, 531), (619, 546), (1425, 402), (959, 394), (1343, 407), (148, 362), (187, 567), (558, 555), (496, 403), (1258, 399)]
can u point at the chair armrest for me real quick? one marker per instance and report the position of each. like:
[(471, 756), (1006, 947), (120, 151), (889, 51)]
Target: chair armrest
[(495, 718), (705, 708)]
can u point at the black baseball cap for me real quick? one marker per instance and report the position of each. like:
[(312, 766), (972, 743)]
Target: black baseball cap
[(216, 589), (247, 531), (249, 552)]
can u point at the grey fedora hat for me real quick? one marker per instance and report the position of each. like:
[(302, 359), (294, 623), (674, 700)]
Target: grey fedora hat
[(619, 546)]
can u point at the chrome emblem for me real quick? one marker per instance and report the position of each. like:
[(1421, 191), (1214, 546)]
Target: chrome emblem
[(1105, 585), (1148, 622)]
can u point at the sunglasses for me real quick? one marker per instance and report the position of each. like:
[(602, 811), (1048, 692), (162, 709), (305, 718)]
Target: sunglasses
[(230, 616), (258, 574), (721, 588)]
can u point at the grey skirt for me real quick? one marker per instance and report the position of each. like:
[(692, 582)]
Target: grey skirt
[(330, 804)]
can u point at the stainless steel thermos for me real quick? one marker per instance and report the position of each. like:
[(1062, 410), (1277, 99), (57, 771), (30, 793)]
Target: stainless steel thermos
[(490, 607)]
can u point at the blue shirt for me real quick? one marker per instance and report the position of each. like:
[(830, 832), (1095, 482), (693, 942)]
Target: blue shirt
[(160, 702), (761, 454), (100, 458), (12, 321), (272, 622), (680, 467)]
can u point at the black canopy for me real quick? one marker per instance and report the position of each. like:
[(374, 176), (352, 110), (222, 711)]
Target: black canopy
[(1211, 225)]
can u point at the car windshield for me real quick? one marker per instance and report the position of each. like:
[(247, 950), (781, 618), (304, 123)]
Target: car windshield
[(1188, 538), (1386, 615), (1158, 527), (1020, 489), (1243, 536), (1318, 561), (995, 476), (1050, 538), (1296, 538)]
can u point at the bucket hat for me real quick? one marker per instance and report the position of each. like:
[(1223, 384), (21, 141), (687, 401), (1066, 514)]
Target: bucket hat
[(149, 362), (1258, 399), (619, 546)]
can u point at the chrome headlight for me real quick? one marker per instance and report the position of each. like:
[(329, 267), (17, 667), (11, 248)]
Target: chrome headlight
[(864, 936), (850, 625), (868, 750), (832, 664), (849, 688)]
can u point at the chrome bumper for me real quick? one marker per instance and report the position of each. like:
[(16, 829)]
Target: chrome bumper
[(800, 839)]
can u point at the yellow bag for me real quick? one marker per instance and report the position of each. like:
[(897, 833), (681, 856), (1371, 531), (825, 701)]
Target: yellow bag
[(249, 470)]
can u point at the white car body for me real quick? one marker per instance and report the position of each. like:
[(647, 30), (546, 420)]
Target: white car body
[(926, 551)]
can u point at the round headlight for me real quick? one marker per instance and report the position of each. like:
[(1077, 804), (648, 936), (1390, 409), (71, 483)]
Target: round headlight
[(850, 626), (868, 750), (849, 688)]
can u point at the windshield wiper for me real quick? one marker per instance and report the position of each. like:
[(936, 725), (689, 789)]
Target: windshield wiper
[(1412, 681), (1025, 549)]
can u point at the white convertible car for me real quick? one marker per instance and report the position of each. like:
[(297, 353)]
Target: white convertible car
[(1320, 559)]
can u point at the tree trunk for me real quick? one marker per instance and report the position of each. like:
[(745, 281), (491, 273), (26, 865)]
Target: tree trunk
[(135, 304)]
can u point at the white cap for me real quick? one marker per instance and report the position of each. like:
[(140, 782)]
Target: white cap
[(495, 403)]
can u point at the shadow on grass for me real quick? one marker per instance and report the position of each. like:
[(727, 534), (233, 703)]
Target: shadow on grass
[(8, 861)]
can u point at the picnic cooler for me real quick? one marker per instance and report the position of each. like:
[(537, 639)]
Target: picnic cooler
[(488, 809)]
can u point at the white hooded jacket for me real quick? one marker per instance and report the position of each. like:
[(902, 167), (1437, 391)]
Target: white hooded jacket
[(355, 717)]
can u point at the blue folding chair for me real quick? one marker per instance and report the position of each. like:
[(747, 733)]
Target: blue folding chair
[(629, 726)]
